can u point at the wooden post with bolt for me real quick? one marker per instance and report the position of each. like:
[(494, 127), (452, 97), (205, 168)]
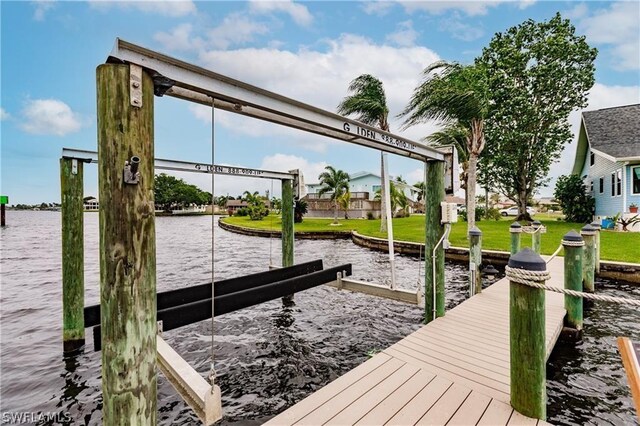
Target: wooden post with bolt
[(598, 228), (515, 229), (433, 232), (287, 230), (588, 234), (475, 260), (527, 337), (71, 198), (573, 251), (127, 245), (537, 236), (4, 200)]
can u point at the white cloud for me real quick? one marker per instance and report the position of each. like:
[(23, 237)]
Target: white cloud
[(179, 38), (470, 8), (298, 12), (456, 26), (619, 27), (405, 35), (284, 163), (600, 96), (172, 8), (377, 7), (235, 29), (50, 117), (41, 9), (4, 115), (320, 78)]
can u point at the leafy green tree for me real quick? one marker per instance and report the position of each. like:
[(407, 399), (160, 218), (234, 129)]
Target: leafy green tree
[(399, 201), (577, 204), (336, 182), (256, 206), (421, 186), (344, 201), (539, 73), (457, 96), (170, 191), (368, 103), (276, 204), (300, 208)]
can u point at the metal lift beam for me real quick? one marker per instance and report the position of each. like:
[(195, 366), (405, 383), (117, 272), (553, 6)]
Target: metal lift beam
[(202, 85)]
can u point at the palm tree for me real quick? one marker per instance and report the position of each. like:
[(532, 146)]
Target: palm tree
[(454, 135), (337, 183), (455, 95), (398, 198), (421, 187), (252, 198), (344, 201), (368, 103)]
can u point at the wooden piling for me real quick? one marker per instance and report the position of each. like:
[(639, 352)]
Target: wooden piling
[(588, 234), (598, 228), (573, 252), (475, 260), (527, 339), (71, 197), (287, 229), (536, 237), (127, 248), (434, 230), (515, 229)]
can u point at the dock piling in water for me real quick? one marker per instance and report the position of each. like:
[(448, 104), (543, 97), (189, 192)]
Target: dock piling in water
[(588, 234), (71, 197), (475, 260), (573, 251), (527, 338), (288, 234), (127, 245), (598, 228), (434, 231), (515, 229)]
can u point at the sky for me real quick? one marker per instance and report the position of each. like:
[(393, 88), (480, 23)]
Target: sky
[(308, 51)]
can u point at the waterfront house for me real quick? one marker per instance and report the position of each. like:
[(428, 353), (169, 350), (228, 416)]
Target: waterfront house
[(608, 159), (363, 187), (91, 204)]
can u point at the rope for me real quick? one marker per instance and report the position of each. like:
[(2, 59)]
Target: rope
[(212, 370), (532, 230), (555, 253), (529, 278), (572, 243)]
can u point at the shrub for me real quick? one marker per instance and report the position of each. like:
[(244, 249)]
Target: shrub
[(493, 214), (576, 203), (479, 214), (257, 211), (299, 210), (370, 216), (242, 211)]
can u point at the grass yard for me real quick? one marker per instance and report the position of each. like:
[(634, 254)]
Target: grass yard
[(618, 246)]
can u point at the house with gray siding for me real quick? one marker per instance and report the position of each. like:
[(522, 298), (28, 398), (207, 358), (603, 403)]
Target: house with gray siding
[(608, 159)]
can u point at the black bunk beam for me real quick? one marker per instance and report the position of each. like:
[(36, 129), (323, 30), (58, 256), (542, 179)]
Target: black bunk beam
[(193, 312), (182, 296)]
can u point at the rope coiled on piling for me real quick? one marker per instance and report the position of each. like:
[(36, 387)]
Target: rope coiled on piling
[(534, 279)]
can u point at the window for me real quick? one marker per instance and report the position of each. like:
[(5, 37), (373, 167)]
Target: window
[(375, 188), (635, 180), (619, 182), (616, 183), (592, 159), (601, 184)]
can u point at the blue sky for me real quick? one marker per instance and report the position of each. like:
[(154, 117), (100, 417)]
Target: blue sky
[(305, 50)]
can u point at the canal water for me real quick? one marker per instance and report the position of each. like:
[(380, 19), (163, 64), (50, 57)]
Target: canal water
[(267, 357)]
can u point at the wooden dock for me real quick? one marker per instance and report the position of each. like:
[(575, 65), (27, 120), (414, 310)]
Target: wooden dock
[(453, 371)]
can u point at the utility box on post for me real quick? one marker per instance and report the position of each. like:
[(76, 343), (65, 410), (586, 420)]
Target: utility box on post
[(449, 212)]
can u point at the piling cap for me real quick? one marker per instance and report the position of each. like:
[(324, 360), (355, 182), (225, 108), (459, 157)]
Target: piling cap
[(527, 259), (536, 223), (475, 232), (588, 230), (515, 225), (596, 225), (515, 228), (572, 236)]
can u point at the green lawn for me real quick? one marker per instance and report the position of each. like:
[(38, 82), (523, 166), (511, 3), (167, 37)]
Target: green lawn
[(619, 246)]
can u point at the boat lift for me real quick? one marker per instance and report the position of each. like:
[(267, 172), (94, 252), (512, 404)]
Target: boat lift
[(125, 133)]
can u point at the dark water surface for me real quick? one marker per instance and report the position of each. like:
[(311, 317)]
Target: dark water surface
[(267, 357)]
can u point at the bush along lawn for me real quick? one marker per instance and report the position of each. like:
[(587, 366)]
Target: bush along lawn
[(616, 246)]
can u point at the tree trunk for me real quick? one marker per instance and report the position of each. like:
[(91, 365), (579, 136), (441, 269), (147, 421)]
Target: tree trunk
[(522, 207), (471, 191), (335, 211)]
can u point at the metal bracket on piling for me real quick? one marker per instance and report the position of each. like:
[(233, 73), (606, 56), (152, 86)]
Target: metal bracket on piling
[(74, 166), (135, 85), (131, 174)]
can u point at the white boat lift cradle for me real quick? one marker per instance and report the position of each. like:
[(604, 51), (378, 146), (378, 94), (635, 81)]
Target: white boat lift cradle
[(175, 78)]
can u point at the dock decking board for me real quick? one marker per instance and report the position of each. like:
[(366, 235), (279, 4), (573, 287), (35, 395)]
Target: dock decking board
[(454, 370)]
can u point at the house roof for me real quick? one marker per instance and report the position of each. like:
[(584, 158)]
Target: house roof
[(614, 131), (236, 203), (611, 132)]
